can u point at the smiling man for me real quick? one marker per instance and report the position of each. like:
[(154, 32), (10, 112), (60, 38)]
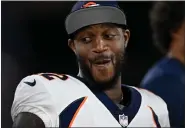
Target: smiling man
[(107, 43), (98, 36)]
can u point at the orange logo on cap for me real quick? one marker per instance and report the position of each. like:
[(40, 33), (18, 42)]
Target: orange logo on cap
[(90, 4)]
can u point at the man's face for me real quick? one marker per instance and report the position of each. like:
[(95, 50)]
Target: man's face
[(100, 50), (182, 38)]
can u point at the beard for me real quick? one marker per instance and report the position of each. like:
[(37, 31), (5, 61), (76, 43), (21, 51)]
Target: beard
[(102, 85)]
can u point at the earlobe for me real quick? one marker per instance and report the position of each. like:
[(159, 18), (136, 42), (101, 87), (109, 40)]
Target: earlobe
[(127, 37), (125, 45)]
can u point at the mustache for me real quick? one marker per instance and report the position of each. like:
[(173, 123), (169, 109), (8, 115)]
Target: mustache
[(120, 57), (101, 57)]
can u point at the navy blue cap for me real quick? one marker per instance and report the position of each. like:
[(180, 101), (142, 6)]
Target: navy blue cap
[(85, 13), (79, 5)]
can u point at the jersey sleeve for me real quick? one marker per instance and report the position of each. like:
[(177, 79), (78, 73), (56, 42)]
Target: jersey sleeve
[(35, 99)]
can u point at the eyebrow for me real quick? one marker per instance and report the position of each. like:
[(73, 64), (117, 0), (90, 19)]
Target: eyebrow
[(103, 25)]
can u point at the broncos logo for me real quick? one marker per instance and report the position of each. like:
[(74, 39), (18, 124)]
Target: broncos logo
[(90, 4)]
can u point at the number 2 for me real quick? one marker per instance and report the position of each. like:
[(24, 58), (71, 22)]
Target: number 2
[(52, 76)]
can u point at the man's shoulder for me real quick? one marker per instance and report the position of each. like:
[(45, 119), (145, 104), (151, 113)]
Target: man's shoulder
[(50, 78), (56, 91), (150, 101), (148, 97), (168, 67), (157, 69), (50, 84)]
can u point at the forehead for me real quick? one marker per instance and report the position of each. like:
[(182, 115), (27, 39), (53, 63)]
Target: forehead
[(98, 28)]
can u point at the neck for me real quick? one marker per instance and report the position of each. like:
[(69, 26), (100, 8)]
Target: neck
[(177, 47), (80, 74), (176, 52), (178, 57), (115, 94)]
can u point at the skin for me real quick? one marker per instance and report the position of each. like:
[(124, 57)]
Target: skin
[(100, 53), (177, 47), (28, 120)]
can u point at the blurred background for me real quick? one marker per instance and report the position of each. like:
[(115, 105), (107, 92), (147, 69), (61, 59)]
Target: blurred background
[(34, 40)]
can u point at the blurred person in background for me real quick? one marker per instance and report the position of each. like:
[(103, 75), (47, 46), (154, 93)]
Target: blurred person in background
[(167, 77), (96, 97)]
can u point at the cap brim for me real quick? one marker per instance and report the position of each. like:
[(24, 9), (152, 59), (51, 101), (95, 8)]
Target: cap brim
[(94, 15)]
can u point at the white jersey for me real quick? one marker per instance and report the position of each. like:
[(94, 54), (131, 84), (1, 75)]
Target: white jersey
[(65, 101)]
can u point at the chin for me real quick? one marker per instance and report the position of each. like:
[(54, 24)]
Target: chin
[(103, 79), (101, 82)]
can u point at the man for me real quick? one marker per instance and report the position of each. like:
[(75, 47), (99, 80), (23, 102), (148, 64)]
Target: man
[(95, 98), (167, 77)]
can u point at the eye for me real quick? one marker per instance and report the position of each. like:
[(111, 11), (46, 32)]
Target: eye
[(86, 40), (109, 36)]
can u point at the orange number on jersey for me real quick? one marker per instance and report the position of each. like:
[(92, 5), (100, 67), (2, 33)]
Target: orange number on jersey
[(52, 76)]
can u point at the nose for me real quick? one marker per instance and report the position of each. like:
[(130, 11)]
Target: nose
[(99, 45)]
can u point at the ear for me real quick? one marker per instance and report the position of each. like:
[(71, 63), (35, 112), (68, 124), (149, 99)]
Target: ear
[(178, 34), (126, 37), (71, 44)]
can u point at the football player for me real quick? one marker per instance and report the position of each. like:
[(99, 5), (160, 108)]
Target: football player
[(167, 77), (95, 98)]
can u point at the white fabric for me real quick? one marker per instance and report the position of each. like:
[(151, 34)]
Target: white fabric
[(48, 98)]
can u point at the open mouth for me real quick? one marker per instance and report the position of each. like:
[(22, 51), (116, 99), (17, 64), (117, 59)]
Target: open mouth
[(102, 62)]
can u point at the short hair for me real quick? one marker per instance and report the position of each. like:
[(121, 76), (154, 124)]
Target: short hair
[(166, 17)]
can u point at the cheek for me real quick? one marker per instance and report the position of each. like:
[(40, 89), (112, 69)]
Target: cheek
[(118, 51), (117, 47), (119, 41), (82, 54), (82, 49)]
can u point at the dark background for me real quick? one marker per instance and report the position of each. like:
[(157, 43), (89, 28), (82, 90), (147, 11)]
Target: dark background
[(34, 40)]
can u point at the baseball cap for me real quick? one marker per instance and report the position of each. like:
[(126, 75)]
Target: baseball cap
[(85, 13)]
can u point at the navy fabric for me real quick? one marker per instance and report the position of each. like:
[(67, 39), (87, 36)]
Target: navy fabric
[(67, 114), (79, 4), (155, 118)]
